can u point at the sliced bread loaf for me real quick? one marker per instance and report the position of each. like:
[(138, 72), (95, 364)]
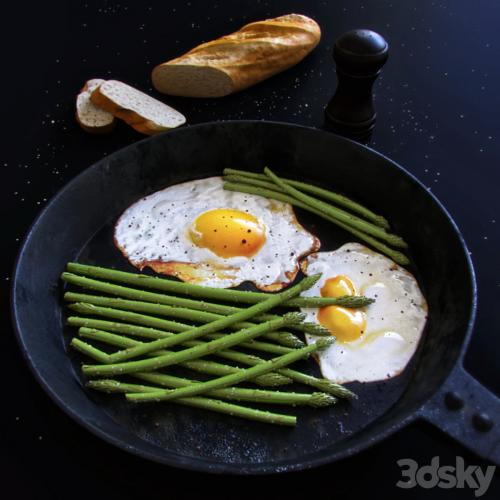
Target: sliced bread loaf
[(90, 117), (237, 61), (139, 110)]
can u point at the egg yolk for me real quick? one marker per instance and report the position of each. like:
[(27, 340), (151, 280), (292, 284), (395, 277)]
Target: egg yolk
[(228, 233), (346, 324), (338, 287)]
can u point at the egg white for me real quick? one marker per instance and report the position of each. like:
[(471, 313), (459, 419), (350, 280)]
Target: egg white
[(394, 322), (154, 231)]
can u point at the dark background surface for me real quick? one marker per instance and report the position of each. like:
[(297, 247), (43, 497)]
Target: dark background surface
[(438, 115)]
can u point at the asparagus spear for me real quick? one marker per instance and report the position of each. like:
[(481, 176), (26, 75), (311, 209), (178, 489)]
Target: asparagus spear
[(152, 333), (89, 350), (200, 402), (184, 304), (200, 365), (121, 341), (222, 294), (256, 345), (284, 338), (316, 399), (322, 384), (184, 355), (229, 380), (131, 317), (142, 319), (124, 342), (337, 213), (395, 255), (169, 300), (225, 321), (314, 190), (271, 189)]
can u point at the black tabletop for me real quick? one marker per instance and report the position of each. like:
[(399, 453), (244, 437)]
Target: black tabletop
[(438, 104)]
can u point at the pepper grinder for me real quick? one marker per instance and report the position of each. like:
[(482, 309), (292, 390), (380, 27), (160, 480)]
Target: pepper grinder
[(359, 56)]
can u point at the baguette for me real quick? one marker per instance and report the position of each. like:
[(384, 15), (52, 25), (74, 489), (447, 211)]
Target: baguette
[(141, 111), (91, 118), (237, 61)]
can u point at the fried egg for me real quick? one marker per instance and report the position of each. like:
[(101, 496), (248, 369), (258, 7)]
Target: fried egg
[(202, 234), (375, 342)]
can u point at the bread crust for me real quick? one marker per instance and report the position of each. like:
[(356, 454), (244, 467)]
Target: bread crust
[(105, 129), (253, 53), (135, 120)]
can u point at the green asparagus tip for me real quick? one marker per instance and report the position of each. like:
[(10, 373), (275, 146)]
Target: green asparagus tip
[(354, 301), (315, 329), (321, 399), (400, 258), (309, 281), (294, 318), (323, 343), (292, 341), (336, 389)]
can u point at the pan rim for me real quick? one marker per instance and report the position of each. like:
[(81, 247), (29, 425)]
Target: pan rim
[(200, 464)]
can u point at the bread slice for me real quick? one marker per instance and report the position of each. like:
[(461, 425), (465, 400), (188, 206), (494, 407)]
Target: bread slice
[(90, 117), (237, 61), (139, 110)]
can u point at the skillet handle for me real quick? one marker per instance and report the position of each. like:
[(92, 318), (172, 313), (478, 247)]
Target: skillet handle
[(468, 412)]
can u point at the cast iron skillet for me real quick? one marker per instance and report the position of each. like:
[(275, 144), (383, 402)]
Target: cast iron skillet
[(77, 225)]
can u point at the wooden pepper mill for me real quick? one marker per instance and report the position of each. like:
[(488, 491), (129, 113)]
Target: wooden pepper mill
[(359, 56)]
